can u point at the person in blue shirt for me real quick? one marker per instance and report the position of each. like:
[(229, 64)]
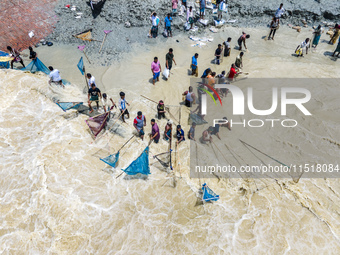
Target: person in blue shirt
[(194, 69), (167, 22), (202, 8), (184, 2), (180, 134)]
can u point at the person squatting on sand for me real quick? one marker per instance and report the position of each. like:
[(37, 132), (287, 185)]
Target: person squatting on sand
[(55, 76), (303, 47), (139, 123), (156, 70), (122, 106), (239, 61), (93, 96), (16, 56), (206, 135), (190, 97)]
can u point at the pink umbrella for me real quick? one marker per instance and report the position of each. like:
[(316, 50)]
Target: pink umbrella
[(106, 33), (81, 48)]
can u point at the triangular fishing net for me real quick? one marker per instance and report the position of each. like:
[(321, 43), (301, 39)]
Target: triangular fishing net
[(165, 161), (69, 105), (97, 123), (85, 36), (140, 165), (208, 194), (81, 66), (197, 119), (36, 66), (4, 62), (111, 160)]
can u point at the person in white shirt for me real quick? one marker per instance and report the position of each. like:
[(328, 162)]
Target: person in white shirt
[(91, 80), (155, 22), (280, 11), (55, 76), (105, 101), (302, 47), (190, 16), (122, 106)]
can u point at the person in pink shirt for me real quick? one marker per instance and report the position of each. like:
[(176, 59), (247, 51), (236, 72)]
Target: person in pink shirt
[(174, 6), (156, 70)]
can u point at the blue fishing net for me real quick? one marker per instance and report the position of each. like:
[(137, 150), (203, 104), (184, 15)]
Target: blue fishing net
[(111, 160), (36, 66), (4, 64), (208, 194), (69, 105), (81, 66), (140, 165)]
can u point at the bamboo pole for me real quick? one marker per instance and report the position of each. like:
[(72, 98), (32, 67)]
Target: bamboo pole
[(102, 43)]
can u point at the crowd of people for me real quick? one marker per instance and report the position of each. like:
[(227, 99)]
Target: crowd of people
[(210, 78)]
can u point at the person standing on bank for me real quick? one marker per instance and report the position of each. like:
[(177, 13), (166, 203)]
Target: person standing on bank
[(91, 80), (169, 57), (156, 70), (155, 22), (167, 25), (194, 69), (274, 25)]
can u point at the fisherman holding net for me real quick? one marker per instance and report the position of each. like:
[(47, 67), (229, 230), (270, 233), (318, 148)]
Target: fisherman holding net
[(93, 96)]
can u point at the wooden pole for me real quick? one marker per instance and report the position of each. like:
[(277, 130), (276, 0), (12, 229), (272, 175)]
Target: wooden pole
[(166, 108), (125, 143), (86, 56), (86, 83), (102, 43)]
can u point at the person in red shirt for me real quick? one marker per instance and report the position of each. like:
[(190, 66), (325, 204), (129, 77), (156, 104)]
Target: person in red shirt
[(139, 123), (232, 72)]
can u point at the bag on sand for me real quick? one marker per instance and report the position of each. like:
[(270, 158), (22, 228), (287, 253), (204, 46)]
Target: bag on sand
[(166, 73), (165, 33), (187, 26)]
